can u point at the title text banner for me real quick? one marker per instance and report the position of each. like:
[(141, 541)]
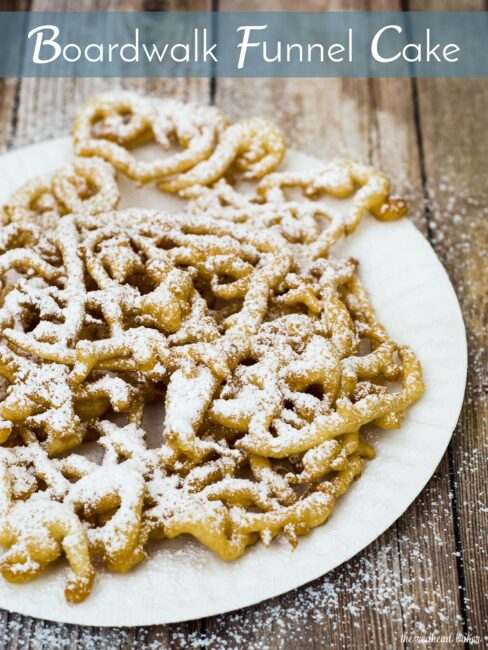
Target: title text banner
[(327, 44)]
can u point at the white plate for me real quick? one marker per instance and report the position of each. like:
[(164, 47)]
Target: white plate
[(183, 580)]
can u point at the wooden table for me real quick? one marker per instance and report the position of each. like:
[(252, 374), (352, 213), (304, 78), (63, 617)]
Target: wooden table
[(427, 574)]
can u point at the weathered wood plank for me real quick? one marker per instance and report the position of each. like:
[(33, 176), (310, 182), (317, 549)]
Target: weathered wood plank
[(9, 88), (454, 139), (8, 108), (454, 160), (457, 224)]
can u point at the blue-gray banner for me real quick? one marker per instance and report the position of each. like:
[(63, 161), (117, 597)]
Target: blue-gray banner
[(327, 44)]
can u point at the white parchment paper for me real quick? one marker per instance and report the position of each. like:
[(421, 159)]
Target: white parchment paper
[(181, 579)]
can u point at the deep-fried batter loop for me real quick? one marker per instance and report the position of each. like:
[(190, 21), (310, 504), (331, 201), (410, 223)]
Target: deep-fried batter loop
[(306, 221), (254, 146), (87, 186), (111, 125)]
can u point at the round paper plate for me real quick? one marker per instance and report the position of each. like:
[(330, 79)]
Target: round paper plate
[(182, 580)]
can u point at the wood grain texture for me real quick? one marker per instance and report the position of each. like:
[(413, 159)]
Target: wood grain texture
[(458, 199), (453, 140), (425, 574), (9, 89)]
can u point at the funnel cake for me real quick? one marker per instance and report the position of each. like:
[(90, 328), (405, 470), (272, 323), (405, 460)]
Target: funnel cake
[(269, 371), (265, 350)]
